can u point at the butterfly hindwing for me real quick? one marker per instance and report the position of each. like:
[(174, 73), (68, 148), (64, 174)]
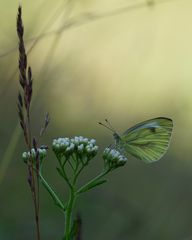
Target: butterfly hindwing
[(148, 140)]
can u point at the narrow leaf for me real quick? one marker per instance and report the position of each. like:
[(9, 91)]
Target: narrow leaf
[(91, 185)]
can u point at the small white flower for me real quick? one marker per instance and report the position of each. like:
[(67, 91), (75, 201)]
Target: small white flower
[(72, 145), (81, 138), (68, 150), (91, 146), (76, 139), (24, 155), (93, 141), (80, 148), (88, 149), (95, 148), (85, 139)]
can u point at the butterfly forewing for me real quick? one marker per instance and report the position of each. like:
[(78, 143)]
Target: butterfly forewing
[(148, 140)]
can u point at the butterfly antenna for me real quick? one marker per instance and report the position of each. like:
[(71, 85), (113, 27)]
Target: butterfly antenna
[(109, 124), (108, 127)]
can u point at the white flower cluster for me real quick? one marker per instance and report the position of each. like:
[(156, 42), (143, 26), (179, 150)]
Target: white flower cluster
[(113, 158), (41, 151), (78, 145)]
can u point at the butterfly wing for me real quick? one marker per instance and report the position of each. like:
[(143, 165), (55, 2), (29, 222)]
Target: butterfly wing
[(147, 141)]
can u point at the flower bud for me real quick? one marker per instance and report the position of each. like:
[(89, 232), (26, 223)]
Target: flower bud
[(33, 154), (113, 158)]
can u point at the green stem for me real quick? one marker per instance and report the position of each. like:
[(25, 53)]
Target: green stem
[(52, 193), (102, 174), (68, 215), (77, 174), (62, 171)]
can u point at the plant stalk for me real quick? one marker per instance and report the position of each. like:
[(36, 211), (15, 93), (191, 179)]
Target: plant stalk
[(68, 215), (102, 174)]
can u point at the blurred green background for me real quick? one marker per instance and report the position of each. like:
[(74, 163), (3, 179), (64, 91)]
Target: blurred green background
[(126, 60)]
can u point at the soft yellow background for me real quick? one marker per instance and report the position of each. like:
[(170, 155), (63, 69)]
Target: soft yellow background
[(125, 60)]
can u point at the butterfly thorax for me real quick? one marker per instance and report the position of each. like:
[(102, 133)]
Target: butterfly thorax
[(116, 137)]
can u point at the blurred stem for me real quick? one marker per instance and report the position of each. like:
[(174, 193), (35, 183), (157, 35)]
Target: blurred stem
[(83, 19), (35, 185)]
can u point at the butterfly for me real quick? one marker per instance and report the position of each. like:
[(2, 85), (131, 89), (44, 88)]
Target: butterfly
[(147, 141)]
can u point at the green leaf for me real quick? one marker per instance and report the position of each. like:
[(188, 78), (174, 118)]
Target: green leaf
[(54, 196), (91, 185)]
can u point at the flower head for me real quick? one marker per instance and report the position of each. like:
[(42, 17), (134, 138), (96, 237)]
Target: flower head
[(81, 147), (41, 152), (113, 158)]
